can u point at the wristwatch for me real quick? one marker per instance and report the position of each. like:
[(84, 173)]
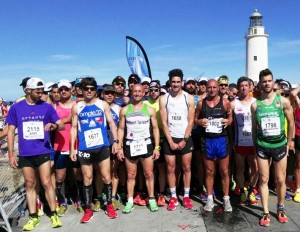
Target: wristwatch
[(116, 141), (157, 148), (186, 139)]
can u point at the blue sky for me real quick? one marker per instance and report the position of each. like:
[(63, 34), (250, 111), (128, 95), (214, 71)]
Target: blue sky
[(65, 39)]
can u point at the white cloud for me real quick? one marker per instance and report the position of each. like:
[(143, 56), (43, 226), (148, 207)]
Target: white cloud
[(61, 57)]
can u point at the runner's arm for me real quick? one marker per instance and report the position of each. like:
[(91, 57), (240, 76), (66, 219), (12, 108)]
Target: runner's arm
[(191, 116), (10, 143), (254, 126), (73, 132), (288, 112), (164, 118)]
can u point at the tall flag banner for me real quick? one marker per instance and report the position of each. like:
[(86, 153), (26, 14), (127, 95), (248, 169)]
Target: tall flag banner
[(137, 59)]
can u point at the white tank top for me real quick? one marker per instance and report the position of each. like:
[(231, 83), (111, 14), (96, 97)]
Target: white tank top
[(243, 123), (177, 111)]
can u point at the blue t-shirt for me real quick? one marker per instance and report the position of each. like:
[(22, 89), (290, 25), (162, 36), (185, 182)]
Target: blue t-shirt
[(30, 121)]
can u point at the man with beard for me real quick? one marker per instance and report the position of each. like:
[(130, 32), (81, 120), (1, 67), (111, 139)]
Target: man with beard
[(89, 122), (268, 115)]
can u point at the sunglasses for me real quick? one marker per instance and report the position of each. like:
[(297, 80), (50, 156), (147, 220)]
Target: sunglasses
[(109, 93), (154, 90), (120, 84), (63, 89), (223, 85), (89, 88), (274, 90)]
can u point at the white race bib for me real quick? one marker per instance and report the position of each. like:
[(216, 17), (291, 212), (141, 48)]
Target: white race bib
[(138, 147), (176, 118), (33, 130), (270, 126), (214, 126), (93, 137)]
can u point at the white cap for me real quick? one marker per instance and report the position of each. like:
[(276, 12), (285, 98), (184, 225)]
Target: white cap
[(189, 79), (203, 79), (34, 83), (48, 86), (146, 79), (162, 90), (65, 83)]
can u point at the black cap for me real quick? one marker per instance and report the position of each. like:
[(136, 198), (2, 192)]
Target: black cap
[(118, 79), (24, 81), (108, 88), (134, 77)]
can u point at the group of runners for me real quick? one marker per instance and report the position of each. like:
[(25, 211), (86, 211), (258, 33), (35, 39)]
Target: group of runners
[(119, 143)]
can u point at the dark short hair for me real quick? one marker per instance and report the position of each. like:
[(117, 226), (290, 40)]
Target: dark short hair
[(232, 86), (264, 73), (242, 79), (175, 73), (88, 81)]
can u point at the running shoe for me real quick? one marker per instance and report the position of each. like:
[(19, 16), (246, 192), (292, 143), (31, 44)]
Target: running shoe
[(297, 197), (79, 208), (257, 194), (232, 184), (265, 220), (137, 198), (282, 218), (227, 206), (251, 198), (40, 208), (172, 204), (110, 211), (153, 205), (187, 204), (128, 207), (203, 196), (31, 224), (88, 215), (288, 197), (161, 200), (237, 191), (123, 197), (55, 221), (61, 210), (97, 206), (209, 205), (116, 204), (243, 199), (140, 199)]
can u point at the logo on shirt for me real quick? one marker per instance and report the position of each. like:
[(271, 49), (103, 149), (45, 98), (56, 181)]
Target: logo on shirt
[(277, 103), (99, 120)]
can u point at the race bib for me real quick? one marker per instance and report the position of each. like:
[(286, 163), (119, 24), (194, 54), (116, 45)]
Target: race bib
[(65, 152), (214, 126), (33, 130), (93, 137), (270, 126), (176, 118), (138, 147)]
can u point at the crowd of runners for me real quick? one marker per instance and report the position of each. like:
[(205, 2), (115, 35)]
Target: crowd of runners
[(108, 147)]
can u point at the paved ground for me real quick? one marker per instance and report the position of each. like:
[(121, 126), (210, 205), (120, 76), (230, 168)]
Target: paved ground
[(142, 220), (243, 218)]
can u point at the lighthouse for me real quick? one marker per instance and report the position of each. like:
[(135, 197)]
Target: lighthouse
[(256, 47)]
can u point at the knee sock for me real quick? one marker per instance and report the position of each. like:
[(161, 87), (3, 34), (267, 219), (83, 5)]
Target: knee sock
[(79, 189), (108, 192), (88, 194), (59, 194)]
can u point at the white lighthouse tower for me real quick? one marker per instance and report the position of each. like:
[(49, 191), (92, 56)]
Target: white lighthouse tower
[(256, 47)]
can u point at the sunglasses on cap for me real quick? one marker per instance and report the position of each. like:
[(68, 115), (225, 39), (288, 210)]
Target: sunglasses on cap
[(89, 88)]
